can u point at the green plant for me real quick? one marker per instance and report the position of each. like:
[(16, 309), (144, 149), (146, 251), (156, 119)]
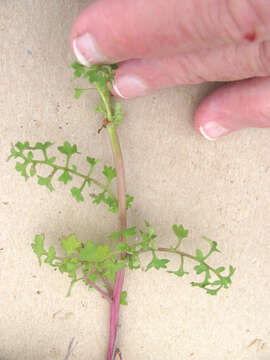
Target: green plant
[(102, 267)]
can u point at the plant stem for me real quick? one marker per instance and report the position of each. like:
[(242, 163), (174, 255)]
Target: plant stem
[(122, 219), (122, 215)]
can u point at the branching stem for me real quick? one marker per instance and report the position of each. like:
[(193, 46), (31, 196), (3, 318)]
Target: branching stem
[(102, 292), (85, 177), (183, 254)]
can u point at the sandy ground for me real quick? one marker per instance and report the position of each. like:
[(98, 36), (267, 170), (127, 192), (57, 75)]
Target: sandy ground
[(219, 189)]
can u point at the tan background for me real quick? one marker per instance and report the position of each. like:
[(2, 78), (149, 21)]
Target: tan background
[(220, 189)]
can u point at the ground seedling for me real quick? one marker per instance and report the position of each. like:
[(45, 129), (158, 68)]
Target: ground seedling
[(102, 267)]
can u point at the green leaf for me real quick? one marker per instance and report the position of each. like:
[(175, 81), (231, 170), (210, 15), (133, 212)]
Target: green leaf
[(30, 156), (32, 170), (78, 92), (217, 282), (200, 268), (157, 263), (51, 160), (38, 246), (101, 75), (212, 291), (107, 200), (112, 267), (179, 272), (213, 246), (102, 252), (79, 69), (134, 261), (70, 244), (123, 298), (181, 233), (13, 153), (45, 181), (117, 117), (125, 233), (77, 194), (220, 269), (88, 253), (199, 255), (68, 149), (92, 161), (93, 277), (43, 146), (98, 76), (51, 255), (129, 200), (22, 146), (109, 172), (146, 240), (97, 199), (69, 267), (202, 284), (111, 202), (122, 247), (21, 168), (94, 253), (100, 108), (65, 177)]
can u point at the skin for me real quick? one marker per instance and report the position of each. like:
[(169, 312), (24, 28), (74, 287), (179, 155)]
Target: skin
[(161, 43)]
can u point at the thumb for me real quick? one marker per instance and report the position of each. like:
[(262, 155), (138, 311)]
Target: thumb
[(234, 106)]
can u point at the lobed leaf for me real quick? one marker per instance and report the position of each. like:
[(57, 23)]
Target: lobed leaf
[(109, 172), (77, 193), (45, 181), (42, 146), (68, 149), (38, 246), (65, 177), (123, 298), (157, 263), (129, 200), (50, 256), (70, 244)]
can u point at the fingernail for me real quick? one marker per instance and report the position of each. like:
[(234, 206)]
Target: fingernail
[(212, 130), (86, 50), (129, 86)]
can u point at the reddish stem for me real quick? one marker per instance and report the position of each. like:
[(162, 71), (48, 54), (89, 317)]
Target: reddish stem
[(103, 293), (122, 217)]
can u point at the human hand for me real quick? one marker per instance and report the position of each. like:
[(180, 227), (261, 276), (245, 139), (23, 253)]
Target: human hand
[(161, 43)]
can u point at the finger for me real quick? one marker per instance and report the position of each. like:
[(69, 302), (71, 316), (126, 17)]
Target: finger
[(228, 63), (234, 106), (113, 31)]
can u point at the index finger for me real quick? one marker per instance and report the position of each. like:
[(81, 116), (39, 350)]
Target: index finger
[(115, 30)]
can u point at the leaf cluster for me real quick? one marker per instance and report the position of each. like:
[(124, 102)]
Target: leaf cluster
[(28, 165), (99, 264), (101, 77)]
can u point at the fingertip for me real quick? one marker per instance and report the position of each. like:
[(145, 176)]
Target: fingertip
[(86, 36), (209, 120)]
